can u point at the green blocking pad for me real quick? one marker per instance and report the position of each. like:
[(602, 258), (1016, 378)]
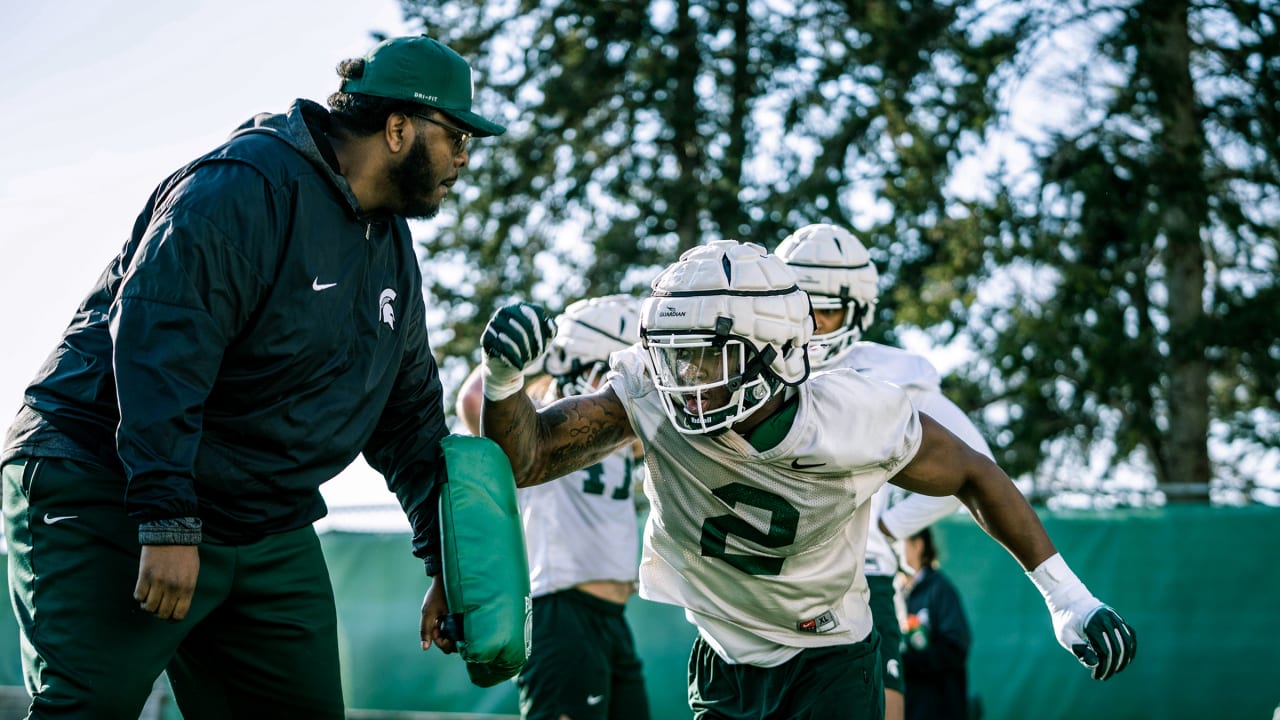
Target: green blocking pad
[(486, 572)]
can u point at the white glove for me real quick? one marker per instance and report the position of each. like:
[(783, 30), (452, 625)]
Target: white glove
[(514, 342), (1093, 632)]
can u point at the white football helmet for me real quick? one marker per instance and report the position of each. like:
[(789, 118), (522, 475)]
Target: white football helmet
[(587, 332), (832, 265), (726, 327)]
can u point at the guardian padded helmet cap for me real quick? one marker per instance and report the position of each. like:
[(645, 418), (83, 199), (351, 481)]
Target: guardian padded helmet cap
[(834, 267), (725, 328), (587, 332)]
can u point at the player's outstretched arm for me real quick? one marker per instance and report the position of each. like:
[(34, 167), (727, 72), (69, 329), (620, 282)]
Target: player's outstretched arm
[(945, 465), (1090, 630), (470, 400), (916, 511), (564, 436)]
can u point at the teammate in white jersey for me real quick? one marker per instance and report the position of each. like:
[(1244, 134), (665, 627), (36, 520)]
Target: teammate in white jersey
[(582, 537), (759, 479), (834, 267)]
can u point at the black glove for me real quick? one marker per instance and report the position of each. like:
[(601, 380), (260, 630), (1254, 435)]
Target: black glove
[(1110, 643), (514, 341)]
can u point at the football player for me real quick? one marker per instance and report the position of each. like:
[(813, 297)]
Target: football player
[(759, 480), (834, 267), (582, 538)]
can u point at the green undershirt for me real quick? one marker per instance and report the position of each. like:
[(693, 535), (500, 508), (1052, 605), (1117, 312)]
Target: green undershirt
[(769, 433)]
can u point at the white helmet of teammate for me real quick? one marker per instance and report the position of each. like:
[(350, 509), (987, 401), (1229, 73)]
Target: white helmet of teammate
[(832, 265), (725, 328), (587, 332)]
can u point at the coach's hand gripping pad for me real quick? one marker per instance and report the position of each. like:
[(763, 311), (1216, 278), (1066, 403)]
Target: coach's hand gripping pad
[(486, 572)]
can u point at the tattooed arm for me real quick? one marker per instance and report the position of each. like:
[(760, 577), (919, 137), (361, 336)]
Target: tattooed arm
[(567, 435)]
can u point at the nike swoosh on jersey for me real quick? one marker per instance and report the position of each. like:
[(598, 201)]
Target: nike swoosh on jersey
[(804, 466), (51, 519), (594, 699), (318, 286)]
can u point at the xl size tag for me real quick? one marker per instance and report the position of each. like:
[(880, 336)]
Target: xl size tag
[(826, 622)]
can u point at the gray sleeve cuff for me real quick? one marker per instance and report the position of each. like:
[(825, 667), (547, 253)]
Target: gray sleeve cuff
[(174, 531), (433, 566)]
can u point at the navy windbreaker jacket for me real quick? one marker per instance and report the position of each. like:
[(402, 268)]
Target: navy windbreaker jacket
[(256, 333)]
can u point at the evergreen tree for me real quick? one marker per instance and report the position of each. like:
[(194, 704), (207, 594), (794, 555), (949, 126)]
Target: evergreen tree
[(1144, 259), (1112, 293), (640, 129)]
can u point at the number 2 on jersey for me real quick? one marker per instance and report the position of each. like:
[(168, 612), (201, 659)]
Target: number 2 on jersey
[(784, 520)]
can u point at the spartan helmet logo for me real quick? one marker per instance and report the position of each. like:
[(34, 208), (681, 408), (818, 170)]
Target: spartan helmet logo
[(387, 313)]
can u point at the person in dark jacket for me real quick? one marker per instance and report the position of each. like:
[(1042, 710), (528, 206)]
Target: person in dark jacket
[(936, 638), (262, 326)]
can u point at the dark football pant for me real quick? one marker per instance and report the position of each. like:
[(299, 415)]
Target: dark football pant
[(841, 681), (260, 639), (584, 663), (885, 617)]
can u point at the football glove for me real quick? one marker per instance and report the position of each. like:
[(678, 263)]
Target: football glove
[(514, 342), (1099, 638)]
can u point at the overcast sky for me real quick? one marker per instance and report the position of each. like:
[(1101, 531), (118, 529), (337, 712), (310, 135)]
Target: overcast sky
[(103, 100)]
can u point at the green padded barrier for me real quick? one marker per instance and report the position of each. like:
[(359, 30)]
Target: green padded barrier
[(486, 571)]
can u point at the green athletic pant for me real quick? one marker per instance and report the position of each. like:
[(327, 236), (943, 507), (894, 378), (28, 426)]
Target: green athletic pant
[(841, 681), (584, 663), (260, 639)]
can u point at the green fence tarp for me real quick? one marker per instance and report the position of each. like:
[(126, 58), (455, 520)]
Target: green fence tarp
[(1200, 585), (379, 588)]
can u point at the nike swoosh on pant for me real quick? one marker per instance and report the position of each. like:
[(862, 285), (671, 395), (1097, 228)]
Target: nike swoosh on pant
[(51, 519)]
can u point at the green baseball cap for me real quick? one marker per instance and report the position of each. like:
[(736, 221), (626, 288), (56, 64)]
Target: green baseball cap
[(422, 70)]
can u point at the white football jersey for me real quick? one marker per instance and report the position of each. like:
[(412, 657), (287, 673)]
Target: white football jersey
[(764, 550), (582, 527), (915, 374)]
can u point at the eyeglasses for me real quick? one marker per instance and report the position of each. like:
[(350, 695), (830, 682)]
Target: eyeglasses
[(460, 137)]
